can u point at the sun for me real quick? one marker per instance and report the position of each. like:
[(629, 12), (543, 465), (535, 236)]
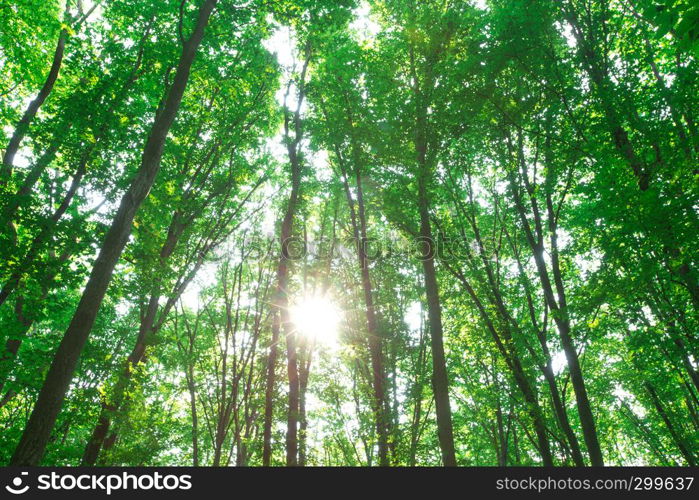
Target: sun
[(317, 318)]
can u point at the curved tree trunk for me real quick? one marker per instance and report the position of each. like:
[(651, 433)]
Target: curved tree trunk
[(22, 127)]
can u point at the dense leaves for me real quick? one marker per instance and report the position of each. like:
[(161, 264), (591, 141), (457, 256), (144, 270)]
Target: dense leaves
[(486, 212)]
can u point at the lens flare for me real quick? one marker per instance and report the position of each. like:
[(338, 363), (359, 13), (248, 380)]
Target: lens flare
[(317, 318)]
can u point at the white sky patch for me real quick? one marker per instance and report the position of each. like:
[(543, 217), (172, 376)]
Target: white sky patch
[(320, 165), (365, 28), (205, 276), (413, 316), (281, 44), (558, 362), (589, 263), (624, 395), (567, 31), (563, 237)]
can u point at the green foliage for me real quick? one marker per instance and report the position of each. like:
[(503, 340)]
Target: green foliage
[(552, 144)]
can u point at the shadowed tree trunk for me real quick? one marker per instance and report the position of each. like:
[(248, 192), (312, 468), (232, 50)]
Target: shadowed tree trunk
[(512, 359), (292, 121), (36, 434), (440, 378), (23, 125), (545, 366), (269, 393), (359, 230), (155, 315), (680, 442), (39, 242), (556, 301)]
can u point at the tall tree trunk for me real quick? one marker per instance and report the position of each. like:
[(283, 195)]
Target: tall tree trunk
[(424, 162), (375, 350), (546, 365), (680, 442), (38, 430), (99, 433), (561, 318), (40, 164), (359, 229), (282, 306), (416, 393), (304, 372), (440, 379), (504, 340), (195, 421), (380, 404), (512, 359), (281, 300), (597, 74), (33, 107), (269, 392)]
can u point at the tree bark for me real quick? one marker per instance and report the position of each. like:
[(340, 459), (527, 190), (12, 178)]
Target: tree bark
[(514, 363), (440, 378), (560, 315), (269, 393), (281, 300), (36, 434), (380, 405), (23, 125), (680, 442)]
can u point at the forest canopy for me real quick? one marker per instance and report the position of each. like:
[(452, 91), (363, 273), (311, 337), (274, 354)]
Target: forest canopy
[(352, 232)]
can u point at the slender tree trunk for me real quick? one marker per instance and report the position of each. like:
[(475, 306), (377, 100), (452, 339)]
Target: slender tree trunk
[(440, 378), (23, 125), (281, 301), (596, 72), (195, 421), (380, 405), (651, 438), (99, 433), (375, 350), (556, 301), (359, 229), (303, 386), (680, 442), (562, 415), (563, 324), (37, 432), (417, 395), (583, 403), (39, 241), (16, 334), (23, 322), (14, 201), (269, 393), (424, 162), (545, 366), (9, 211), (282, 306)]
